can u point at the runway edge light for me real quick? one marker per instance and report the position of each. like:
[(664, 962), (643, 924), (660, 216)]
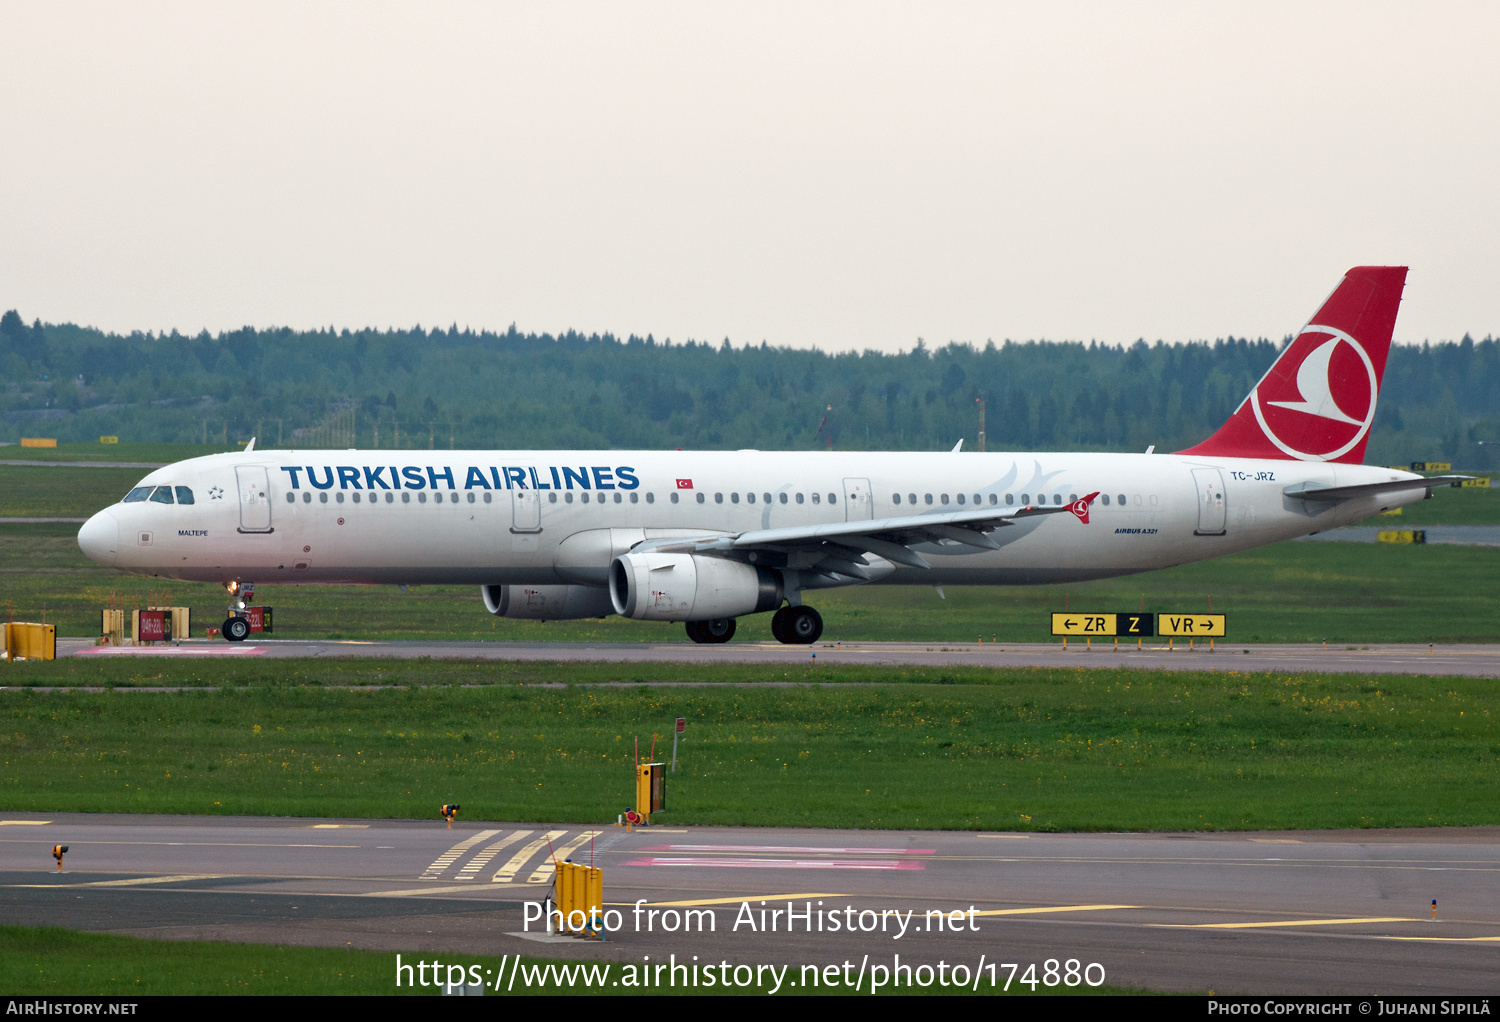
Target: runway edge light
[(58, 851), (449, 811)]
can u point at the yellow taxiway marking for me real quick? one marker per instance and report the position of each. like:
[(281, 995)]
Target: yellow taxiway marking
[(1459, 939), (507, 872), (729, 901), (545, 871), (1050, 908), (447, 859), (1007, 837), (421, 891), (1292, 922), (340, 826), (33, 823), (473, 866), (137, 881), (658, 830)]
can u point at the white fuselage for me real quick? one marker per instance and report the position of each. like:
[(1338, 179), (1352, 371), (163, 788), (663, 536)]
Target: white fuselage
[(549, 517)]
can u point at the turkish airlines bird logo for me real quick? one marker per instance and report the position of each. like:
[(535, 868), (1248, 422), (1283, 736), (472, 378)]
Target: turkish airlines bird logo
[(1080, 507), (1318, 401)]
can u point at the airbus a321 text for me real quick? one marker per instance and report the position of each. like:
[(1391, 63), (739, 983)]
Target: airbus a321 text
[(706, 537)]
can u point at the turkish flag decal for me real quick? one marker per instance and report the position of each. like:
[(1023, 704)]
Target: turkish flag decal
[(684, 484)]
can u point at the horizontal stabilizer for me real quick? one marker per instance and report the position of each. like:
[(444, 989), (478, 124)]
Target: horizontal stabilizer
[(1312, 491)]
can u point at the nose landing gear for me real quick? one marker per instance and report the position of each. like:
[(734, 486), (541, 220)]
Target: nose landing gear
[(236, 628)]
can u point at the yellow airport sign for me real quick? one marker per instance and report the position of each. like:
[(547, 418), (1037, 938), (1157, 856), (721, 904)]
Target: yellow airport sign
[(1402, 536), (1481, 483), (1393, 511), (1199, 626), (109, 440), (1087, 626), (1083, 625), (1432, 466)]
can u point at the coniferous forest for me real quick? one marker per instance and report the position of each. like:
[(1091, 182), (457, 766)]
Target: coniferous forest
[(418, 388)]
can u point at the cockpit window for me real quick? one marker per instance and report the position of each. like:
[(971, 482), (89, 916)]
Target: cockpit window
[(139, 493), (162, 495), (184, 495)]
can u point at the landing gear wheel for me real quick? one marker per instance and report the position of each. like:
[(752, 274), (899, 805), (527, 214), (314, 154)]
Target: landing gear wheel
[(720, 629), (797, 626), (778, 625), (236, 629), (717, 630)]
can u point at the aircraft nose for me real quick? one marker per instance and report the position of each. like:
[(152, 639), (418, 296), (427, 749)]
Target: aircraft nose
[(100, 538)]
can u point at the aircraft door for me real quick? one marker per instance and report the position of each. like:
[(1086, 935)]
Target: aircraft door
[(527, 511), (1209, 483), (255, 504), (858, 503)]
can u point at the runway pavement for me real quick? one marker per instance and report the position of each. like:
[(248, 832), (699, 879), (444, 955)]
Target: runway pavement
[(1262, 913), (1472, 660)]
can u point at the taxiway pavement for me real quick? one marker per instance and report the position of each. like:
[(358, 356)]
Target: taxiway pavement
[(1472, 660), (1255, 913)]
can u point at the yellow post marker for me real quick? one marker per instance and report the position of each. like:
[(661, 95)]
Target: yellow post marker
[(29, 640), (1434, 910), (58, 851), (650, 790), (579, 897), (449, 812)]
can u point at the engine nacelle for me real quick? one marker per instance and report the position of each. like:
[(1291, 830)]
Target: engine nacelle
[(689, 587), (546, 603)]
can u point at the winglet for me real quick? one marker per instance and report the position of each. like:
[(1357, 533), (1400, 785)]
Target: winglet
[(957, 447), (1080, 507)]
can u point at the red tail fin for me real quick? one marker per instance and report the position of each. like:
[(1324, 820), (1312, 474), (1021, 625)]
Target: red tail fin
[(1317, 402)]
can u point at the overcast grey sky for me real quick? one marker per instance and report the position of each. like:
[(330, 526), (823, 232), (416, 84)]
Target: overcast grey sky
[(845, 175)]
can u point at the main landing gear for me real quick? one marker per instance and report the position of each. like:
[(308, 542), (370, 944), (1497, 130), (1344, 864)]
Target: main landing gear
[(720, 629), (795, 626)]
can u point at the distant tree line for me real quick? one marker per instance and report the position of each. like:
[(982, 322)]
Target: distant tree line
[(419, 388)]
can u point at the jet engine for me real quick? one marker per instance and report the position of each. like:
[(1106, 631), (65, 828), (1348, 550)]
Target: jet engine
[(689, 587), (546, 603)]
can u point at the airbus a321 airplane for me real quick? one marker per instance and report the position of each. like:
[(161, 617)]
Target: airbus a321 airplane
[(706, 537)]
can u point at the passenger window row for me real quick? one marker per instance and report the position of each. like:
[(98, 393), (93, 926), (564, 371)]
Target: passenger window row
[(994, 498)]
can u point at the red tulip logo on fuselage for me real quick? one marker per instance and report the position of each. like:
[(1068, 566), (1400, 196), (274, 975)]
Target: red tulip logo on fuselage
[(1318, 401)]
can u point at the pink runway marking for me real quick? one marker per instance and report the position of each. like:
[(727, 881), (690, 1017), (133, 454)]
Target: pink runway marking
[(657, 860), (225, 650), (792, 849)]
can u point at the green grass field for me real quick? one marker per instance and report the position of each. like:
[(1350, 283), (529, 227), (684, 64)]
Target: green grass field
[(963, 748), (42, 961), (159, 453)]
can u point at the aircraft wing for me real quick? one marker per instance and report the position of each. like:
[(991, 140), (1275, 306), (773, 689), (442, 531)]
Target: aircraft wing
[(1313, 491), (843, 544)]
